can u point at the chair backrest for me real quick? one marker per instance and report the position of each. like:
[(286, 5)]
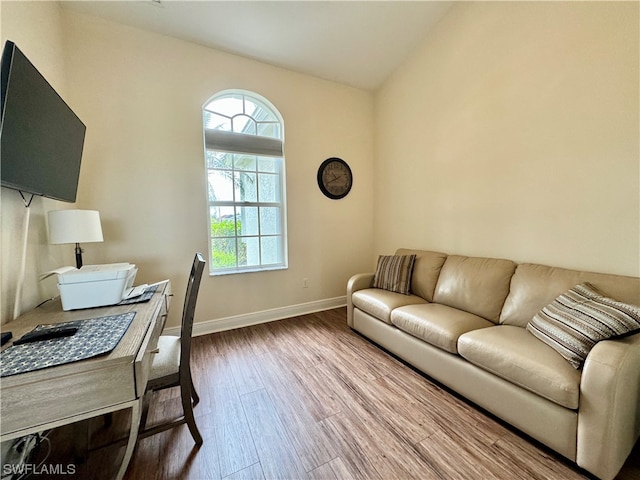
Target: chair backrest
[(188, 311)]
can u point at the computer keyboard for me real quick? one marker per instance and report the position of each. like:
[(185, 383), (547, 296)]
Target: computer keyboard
[(135, 291)]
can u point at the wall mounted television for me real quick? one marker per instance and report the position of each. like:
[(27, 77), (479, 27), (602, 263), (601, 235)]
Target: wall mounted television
[(41, 138)]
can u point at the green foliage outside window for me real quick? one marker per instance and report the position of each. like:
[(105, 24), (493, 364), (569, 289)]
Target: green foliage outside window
[(224, 253)]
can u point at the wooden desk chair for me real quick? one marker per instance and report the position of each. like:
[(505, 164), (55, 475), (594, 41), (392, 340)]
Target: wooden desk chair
[(171, 365)]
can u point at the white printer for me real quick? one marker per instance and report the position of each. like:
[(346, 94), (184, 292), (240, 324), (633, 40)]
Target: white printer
[(95, 285)]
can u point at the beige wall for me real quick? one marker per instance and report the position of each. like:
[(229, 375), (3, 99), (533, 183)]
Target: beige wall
[(141, 96), (513, 132), (36, 29)]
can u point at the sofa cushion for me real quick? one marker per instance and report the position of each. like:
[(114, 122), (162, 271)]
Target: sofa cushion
[(475, 285), (513, 354), (426, 270), (437, 324), (579, 318), (536, 286), (393, 273), (380, 303)]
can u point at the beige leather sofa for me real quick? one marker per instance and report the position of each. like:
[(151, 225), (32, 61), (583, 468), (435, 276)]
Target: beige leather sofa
[(463, 324)]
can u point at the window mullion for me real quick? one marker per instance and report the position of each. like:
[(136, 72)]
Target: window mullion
[(259, 207), (223, 203)]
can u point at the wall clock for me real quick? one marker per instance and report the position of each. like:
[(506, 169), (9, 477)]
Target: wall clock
[(335, 178)]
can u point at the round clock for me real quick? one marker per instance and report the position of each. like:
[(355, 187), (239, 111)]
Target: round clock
[(335, 178)]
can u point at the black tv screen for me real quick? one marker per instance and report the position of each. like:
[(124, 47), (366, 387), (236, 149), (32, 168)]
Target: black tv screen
[(41, 139)]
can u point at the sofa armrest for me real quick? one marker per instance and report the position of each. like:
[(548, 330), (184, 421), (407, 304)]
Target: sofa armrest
[(359, 281), (609, 410)]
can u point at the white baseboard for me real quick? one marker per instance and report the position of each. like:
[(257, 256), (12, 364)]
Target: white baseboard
[(264, 316)]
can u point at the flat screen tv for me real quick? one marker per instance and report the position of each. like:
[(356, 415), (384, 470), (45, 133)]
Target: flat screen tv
[(41, 139)]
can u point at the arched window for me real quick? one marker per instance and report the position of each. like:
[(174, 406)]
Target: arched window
[(244, 154)]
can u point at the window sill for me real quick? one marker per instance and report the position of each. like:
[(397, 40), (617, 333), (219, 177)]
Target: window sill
[(235, 271)]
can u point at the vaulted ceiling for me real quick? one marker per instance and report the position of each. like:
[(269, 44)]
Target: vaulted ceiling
[(358, 43)]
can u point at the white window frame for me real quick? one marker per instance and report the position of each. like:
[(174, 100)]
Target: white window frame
[(227, 142)]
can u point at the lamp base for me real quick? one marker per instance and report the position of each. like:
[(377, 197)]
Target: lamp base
[(78, 256)]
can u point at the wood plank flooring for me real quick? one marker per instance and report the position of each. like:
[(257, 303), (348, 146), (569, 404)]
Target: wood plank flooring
[(307, 398)]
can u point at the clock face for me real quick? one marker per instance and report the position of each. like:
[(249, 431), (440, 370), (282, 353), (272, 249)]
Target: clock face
[(335, 178)]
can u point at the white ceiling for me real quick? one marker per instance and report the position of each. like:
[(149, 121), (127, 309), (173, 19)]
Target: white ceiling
[(358, 43)]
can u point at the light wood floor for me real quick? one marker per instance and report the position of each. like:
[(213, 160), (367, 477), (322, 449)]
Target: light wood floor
[(307, 398)]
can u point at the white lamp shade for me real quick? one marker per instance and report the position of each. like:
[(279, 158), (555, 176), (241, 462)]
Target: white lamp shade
[(74, 226)]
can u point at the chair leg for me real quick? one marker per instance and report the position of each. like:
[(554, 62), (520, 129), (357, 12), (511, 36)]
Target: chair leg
[(146, 401), (187, 408), (194, 394)]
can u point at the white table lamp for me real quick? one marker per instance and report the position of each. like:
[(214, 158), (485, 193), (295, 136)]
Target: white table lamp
[(75, 226)]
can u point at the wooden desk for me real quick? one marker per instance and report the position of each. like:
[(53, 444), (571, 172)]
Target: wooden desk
[(51, 397)]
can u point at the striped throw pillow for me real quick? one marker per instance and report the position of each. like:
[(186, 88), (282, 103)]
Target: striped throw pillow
[(394, 273), (579, 318)]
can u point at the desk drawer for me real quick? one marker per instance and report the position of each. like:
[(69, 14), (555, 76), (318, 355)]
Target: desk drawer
[(144, 359), (168, 295), (59, 397), (145, 356)]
